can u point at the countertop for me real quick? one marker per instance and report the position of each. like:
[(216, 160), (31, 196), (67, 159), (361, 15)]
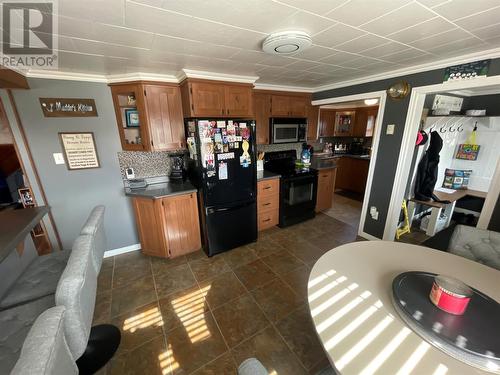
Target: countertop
[(266, 175), (161, 190), (320, 164), (16, 225)]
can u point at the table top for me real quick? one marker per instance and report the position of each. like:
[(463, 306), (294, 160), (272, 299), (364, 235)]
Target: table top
[(16, 225), (350, 302), (452, 197)]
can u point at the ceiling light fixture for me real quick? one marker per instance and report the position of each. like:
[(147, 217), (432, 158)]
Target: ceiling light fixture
[(371, 101), (286, 42)]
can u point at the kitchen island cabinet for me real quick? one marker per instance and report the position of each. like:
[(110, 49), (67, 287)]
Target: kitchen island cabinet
[(352, 173), (168, 226), (326, 185)]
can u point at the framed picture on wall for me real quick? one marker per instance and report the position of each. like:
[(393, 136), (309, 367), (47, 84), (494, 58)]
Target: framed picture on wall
[(132, 118), (79, 150)]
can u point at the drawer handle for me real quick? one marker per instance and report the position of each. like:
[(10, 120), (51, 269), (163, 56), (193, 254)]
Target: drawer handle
[(267, 188), (325, 175), (266, 204), (266, 220)]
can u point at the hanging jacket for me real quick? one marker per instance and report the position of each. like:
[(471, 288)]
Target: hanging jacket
[(427, 170)]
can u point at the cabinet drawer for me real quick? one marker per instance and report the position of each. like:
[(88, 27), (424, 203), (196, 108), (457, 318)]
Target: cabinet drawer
[(267, 202), (268, 187), (267, 219)]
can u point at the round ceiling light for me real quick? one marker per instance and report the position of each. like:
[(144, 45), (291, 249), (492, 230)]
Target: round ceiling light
[(286, 42), (371, 101)]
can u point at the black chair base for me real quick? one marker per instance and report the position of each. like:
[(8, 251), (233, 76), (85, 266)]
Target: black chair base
[(103, 342)]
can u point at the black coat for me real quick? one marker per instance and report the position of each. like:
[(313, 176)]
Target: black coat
[(428, 169)]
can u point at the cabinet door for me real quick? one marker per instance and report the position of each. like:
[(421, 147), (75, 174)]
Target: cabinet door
[(359, 129), (344, 123), (327, 122), (164, 113), (280, 106), (238, 101), (207, 99), (262, 107), (359, 175), (182, 226), (148, 217), (131, 119), (298, 106), (344, 171), (326, 182), (312, 122), (370, 122)]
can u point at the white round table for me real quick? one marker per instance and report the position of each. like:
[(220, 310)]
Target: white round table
[(349, 293)]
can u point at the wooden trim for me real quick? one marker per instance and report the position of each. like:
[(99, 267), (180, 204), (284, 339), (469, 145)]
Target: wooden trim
[(33, 165), (140, 82), (213, 81), (10, 79), (287, 93)]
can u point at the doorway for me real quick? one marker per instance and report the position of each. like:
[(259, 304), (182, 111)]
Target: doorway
[(349, 132)]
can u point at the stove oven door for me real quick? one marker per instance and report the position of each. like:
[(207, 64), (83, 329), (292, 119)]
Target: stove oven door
[(297, 199)]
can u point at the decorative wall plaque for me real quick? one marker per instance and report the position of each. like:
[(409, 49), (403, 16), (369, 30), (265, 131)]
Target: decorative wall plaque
[(79, 150), (68, 107)]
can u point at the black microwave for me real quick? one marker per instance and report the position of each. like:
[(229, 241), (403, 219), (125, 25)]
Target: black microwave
[(288, 130)]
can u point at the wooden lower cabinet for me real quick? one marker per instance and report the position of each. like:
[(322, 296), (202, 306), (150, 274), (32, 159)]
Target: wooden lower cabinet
[(168, 227), (326, 187), (268, 197), (352, 174)]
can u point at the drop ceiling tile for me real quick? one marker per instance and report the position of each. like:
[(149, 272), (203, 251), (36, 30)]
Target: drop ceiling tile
[(484, 19), (326, 69), (303, 21), (403, 55), (361, 62), (408, 15), (106, 49), (249, 56), (358, 12), (320, 7), (336, 35), (300, 65), (315, 75), (433, 3), (455, 46), (488, 32), (109, 11), (462, 8), (314, 53), (188, 47), (281, 61), (257, 15), (439, 39), (361, 43), (340, 58), (425, 29), (385, 49)]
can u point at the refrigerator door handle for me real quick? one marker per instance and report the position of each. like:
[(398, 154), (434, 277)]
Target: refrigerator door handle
[(212, 210)]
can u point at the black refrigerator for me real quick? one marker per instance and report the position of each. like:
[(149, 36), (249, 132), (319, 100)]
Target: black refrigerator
[(221, 165)]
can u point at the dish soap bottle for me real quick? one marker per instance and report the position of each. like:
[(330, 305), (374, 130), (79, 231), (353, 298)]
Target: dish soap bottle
[(306, 157)]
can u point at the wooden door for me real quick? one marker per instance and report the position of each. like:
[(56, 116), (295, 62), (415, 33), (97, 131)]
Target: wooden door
[(326, 183), (262, 109), (165, 120), (207, 99), (298, 106), (128, 100), (238, 101), (280, 106), (312, 122), (326, 122), (148, 217), (359, 128), (181, 224)]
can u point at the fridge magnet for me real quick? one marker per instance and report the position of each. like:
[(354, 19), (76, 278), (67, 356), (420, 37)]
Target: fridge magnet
[(222, 171), (243, 125), (231, 145), (245, 133), (245, 160), (230, 128), (225, 156), (191, 127), (236, 145), (213, 124), (218, 142), (221, 124), (225, 147), (239, 138)]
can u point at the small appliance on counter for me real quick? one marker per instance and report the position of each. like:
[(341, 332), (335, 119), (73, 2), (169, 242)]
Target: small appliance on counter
[(298, 187), (177, 173)]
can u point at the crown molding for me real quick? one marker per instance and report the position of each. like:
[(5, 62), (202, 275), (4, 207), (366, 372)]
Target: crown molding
[(188, 73), (117, 78), (264, 86), (489, 54), (69, 76)]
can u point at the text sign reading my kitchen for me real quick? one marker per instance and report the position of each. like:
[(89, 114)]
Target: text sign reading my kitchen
[(60, 107)]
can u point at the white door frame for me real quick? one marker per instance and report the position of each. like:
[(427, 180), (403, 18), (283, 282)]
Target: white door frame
[(381, 95), (411, 127)]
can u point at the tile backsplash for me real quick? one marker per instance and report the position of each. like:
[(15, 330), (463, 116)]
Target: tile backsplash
[(145, 164), (281, 147)]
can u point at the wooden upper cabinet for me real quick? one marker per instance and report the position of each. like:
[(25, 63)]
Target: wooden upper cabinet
[(280, 105), (164, 113), (312, 122), (359, 129), (344, 123), (262, 105), (207, 99), (326, 122), (298, 106), (216, 99), (238, 100), (149, 116)]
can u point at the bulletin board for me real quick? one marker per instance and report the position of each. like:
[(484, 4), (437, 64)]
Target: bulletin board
[(79, 150)]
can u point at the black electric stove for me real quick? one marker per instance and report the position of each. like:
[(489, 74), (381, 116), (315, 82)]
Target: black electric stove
[(298, 187)]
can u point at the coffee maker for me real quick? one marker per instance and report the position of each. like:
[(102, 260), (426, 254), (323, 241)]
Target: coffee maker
[(177, 172)]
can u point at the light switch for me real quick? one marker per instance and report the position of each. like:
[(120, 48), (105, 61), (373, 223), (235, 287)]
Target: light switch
[(390, 129), (58, 158)]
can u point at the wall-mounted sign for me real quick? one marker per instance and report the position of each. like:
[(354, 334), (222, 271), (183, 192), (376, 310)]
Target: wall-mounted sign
[(447, 103), (467, 71), (67, 107), (79, 150)]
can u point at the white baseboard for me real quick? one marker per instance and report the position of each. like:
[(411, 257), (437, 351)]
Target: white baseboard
[(367, 236), (122, 250)]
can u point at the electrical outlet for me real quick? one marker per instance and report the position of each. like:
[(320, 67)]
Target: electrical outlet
[(374, 212), (58, 158), (390, 129)]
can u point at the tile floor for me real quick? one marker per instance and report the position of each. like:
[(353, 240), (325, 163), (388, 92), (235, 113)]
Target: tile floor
[(199, 315), (345, 209)]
